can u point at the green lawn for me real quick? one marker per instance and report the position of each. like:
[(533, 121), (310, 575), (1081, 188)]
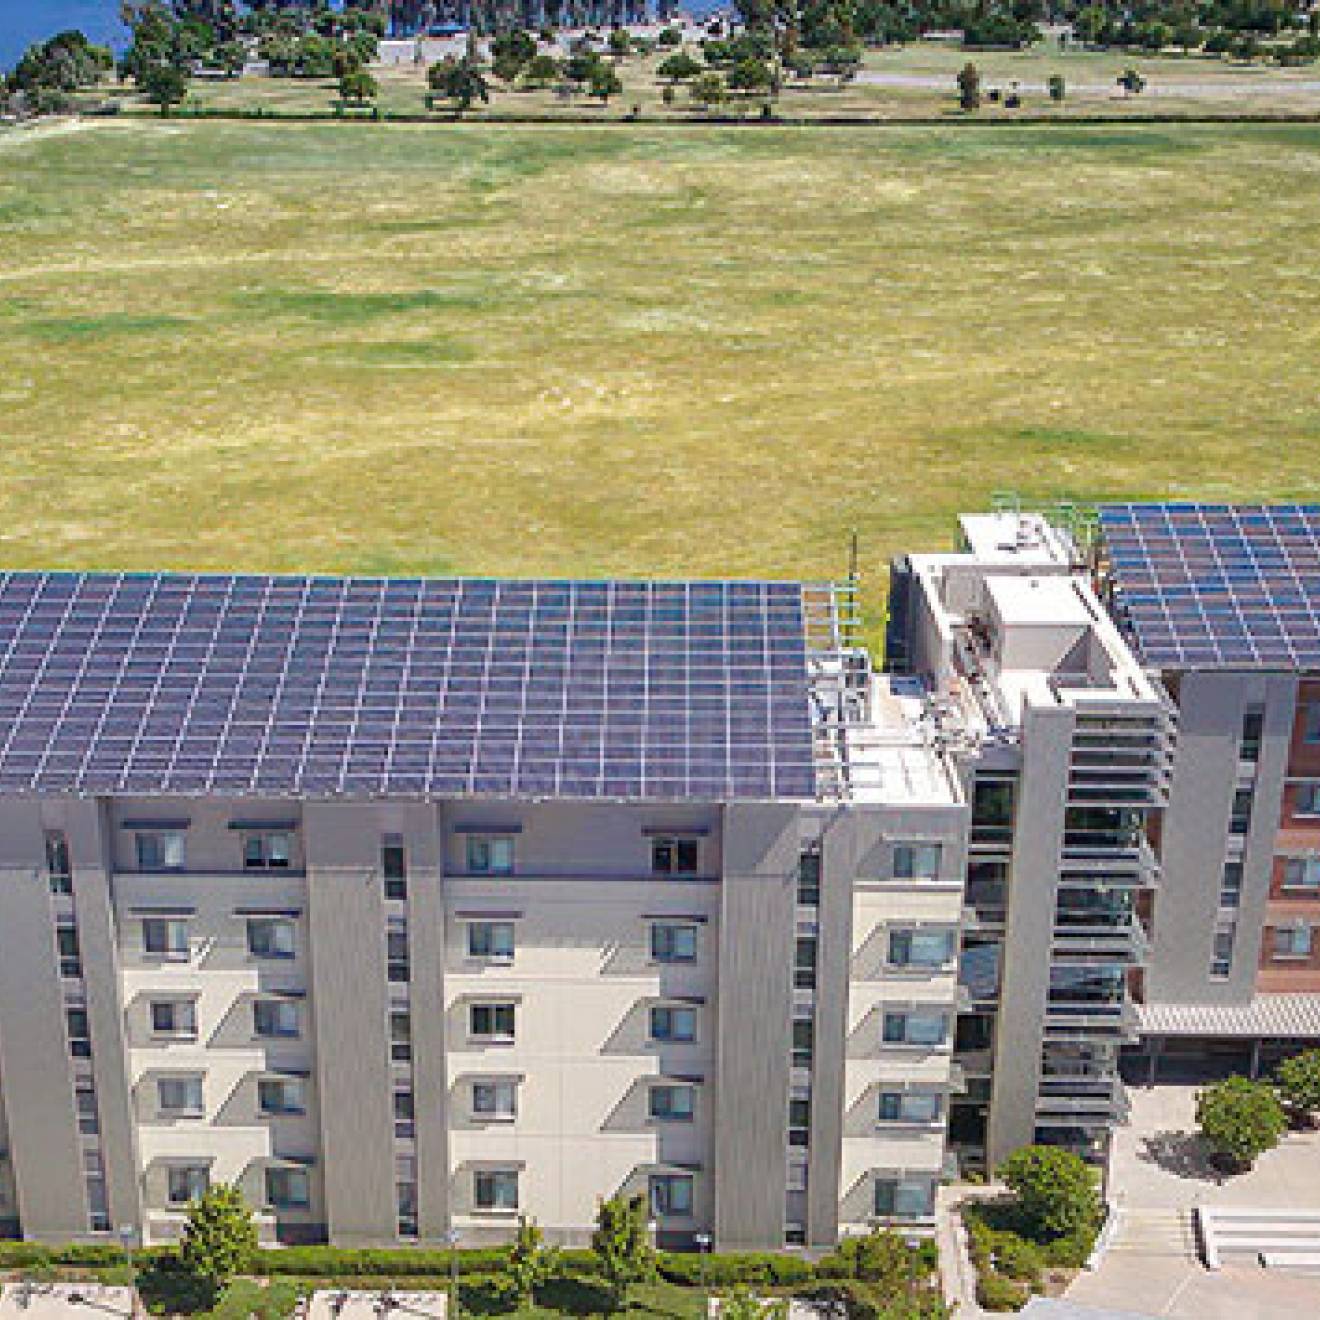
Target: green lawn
[(645, 351)]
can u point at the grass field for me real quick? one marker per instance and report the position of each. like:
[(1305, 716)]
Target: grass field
[(917, 81), (573, 351)]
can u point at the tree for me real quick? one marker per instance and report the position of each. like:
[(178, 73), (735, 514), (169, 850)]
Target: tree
[(460, 81), (164, 85), (1298, 1080), (1055, 1192), (531, 1262), (541, 71), (678, 67), (622, 1247), (64, 63), (620, 43), (358, 85), (751, 75), (670, 37), (1056, 87), (1239, 1120), (1131, 82), (603, 83), (219, 1239), (707, 90), (969, 87)]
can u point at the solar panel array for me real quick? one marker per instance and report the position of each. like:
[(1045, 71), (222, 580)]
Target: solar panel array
[(1206, 586), (256, 686)]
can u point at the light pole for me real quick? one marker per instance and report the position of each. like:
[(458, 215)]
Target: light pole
[(127, 1234), (703, 1246), (451, 1237)]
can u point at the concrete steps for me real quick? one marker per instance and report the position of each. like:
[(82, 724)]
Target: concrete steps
[(1163, 1233), (1267, 1236)]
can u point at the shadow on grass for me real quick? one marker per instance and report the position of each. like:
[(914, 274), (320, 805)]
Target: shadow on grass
[(1182, 1154)]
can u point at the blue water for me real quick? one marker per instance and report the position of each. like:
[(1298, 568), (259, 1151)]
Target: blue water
[(24, 21)]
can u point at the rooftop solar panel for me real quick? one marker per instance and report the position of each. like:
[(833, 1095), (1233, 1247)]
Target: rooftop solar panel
[(172, 683), (1217, 586)]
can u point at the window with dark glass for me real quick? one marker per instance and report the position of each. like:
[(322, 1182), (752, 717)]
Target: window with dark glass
[(809, 877), (804, 962), (1253, 727), (799, 1122), (674, 856), (394, 868), (59, 869)]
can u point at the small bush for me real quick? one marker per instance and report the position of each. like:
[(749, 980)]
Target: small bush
[(1069, 1252), (1018, 1258), (333, 1262), (996, 1293)]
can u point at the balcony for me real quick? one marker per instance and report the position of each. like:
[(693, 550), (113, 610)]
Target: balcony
[(1120, 936), (1083, 1019), (1081, 1096)]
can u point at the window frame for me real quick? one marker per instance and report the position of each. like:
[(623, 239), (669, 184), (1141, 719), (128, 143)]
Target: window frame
[(394, 881), (177, 1004), (289, 1174), (189, 1172), (495, 1088), (660, 1200), (1306, 866), (59, 862), (491, 954), (672, 954), (913, 935), (274, 923), (1305, 788), (171, 951), (912, 849), (486, 1199), (909, 1016), (487, 863), (277, 1006), (671, 1013), (1293, 933), (668, 1113), (901, 1118), (299, 1087), (147, 840), (495, 1008), (194, 1095), (897, 1185), (681, 854)]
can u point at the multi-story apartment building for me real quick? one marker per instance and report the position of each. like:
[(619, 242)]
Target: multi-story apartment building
[(1219, 602), (1063, 743), (409, 906)]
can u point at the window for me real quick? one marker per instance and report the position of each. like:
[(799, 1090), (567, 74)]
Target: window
[(673, 1024), (495, 1189), (1230, 888), (268, 850), (809, 877), (1221, 953), (80, 1033), (394, 867), (1239, 822), (1311, 722), (174, 1017), (1301, 873), (66, 943), (671, 1104), (84, 1101), (908, 1107), (58, 869), (404, 1113), (180, 1095), (915, 1028), (901, 1198), (920, 948), (405, 1194), (804, 1034), (804, 962), (491, 1021), (674, 856), (400, 1035), (492, 940), (288, 1189), (490, 854), (160, 850), (916, 861), (274, 1018), (799, 1122), (671, 1195), (1292, 941), (165, 937), (270, 937), (1253, 726), (1308, 799), (186, 1183), (992, 811), (396, 955), (673, 942), (281, 1095), (494, 1100)]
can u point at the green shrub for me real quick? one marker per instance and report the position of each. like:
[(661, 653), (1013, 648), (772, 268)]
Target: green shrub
[(734, 1269), (1054, 1192), (1239, 1120), (1018, 1258), (996, 1293), (1069, 1252), (334, 1262)]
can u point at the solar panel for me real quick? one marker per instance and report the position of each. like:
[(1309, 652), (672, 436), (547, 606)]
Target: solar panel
[(1215, 586), (174, 683)]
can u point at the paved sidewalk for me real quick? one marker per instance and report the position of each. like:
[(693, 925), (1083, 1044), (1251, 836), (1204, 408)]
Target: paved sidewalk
[(1158, 1174)]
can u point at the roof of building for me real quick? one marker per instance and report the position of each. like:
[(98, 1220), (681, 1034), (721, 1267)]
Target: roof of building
[(149, 684), (1295, 1017), (1217, 586)]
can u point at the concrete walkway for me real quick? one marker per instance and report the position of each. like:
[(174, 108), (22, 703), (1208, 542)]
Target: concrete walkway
[(1158, 1173)]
